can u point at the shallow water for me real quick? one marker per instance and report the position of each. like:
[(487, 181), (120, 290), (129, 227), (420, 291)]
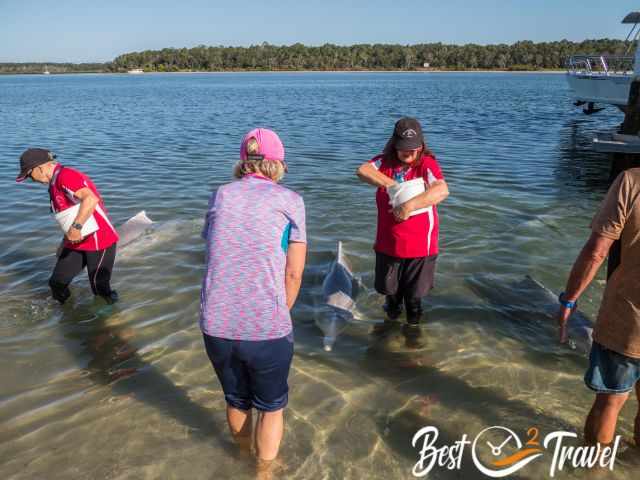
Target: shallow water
[(126, 391)]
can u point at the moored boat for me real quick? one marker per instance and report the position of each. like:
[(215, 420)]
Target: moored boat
[(605, 79)]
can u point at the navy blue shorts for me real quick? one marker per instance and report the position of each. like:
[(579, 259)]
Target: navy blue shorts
[(252, 373), (611, 372)]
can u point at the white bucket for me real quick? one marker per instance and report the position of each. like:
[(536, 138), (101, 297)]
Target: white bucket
[(66, 217), (405, 191)]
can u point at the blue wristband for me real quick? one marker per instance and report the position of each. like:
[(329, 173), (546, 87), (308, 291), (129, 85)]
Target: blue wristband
[(566, 303)]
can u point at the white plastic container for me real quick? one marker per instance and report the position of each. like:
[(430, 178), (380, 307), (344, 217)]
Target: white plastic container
[(66, 217), (405, 191)]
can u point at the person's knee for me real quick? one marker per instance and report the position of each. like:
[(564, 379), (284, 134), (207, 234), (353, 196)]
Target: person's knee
[(610, 402), (272, 415), (384, 288), (241, 403), (617, 401), (272, 404)]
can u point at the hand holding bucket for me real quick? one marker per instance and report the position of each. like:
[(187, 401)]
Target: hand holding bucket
[(66, 217), (403, 192)]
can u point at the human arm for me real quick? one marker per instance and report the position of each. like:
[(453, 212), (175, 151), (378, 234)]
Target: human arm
[(436, 190), (296, 249), (583, 272), (368, 173), (607, 226), (435, 193), (208, 217), (88, 203), (296, 256)]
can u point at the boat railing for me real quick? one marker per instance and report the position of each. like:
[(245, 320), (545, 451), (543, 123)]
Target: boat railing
[(600, 64)]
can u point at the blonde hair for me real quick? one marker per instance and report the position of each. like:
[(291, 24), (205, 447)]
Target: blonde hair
[(272, 169)]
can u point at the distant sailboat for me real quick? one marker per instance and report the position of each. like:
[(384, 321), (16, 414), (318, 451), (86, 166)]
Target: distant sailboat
[(46, 71)]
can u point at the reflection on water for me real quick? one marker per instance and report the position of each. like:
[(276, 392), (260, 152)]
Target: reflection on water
[(126, 391), (579, 166)]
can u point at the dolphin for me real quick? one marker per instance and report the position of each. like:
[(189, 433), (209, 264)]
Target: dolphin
[(134, 228), (140, 233), (528, 299), (129, 231), (339, 290)]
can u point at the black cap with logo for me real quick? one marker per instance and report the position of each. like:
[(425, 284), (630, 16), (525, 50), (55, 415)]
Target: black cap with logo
[(407, 134), (32, 158)]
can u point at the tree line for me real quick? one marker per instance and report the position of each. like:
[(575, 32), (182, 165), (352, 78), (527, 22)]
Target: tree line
[(518, 56), (524, 55), (35, 67)]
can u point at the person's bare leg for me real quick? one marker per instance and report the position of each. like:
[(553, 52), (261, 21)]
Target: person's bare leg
[(636, 425), (269, 431), (589, 433), (601, 422), (240, 425)]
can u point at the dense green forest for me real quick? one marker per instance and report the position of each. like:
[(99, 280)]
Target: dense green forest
[(523, 55), (519, 56)]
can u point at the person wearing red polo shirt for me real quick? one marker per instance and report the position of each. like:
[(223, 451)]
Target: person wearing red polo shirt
[(406, 245), (97, 251)]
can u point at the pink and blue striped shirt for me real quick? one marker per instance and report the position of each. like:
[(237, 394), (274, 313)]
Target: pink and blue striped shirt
[(248, 227)]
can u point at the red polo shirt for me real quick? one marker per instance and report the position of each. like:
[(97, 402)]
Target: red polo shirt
[(418, 235), (64, 183)]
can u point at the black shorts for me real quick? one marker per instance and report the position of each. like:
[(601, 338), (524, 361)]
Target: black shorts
[(412, 278)]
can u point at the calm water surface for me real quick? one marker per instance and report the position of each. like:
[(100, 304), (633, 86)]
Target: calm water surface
[(92, 391)]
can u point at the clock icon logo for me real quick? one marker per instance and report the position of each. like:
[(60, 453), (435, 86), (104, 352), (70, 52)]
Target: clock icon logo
[(498, 451)]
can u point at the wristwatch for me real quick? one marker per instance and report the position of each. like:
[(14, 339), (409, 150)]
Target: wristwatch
[(566, 303), (77, 226)]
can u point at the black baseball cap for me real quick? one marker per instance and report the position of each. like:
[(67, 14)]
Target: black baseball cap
[(30, 159), (407, 134)]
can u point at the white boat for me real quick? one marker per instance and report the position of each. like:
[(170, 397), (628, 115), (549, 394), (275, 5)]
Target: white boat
[(136, 71), (46, 71), (605, 79)]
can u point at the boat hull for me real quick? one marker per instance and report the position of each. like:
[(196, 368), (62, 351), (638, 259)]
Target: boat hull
[(603, 89)]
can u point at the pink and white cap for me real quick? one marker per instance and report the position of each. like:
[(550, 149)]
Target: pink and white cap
[(270, 145)]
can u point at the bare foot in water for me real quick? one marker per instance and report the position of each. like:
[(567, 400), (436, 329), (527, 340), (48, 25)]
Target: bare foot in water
[(267, 469), (425, 403)]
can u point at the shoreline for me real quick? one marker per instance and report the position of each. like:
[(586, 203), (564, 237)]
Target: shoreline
[(436, 71)]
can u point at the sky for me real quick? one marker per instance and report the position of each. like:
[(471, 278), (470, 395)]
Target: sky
[(98, 31)]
